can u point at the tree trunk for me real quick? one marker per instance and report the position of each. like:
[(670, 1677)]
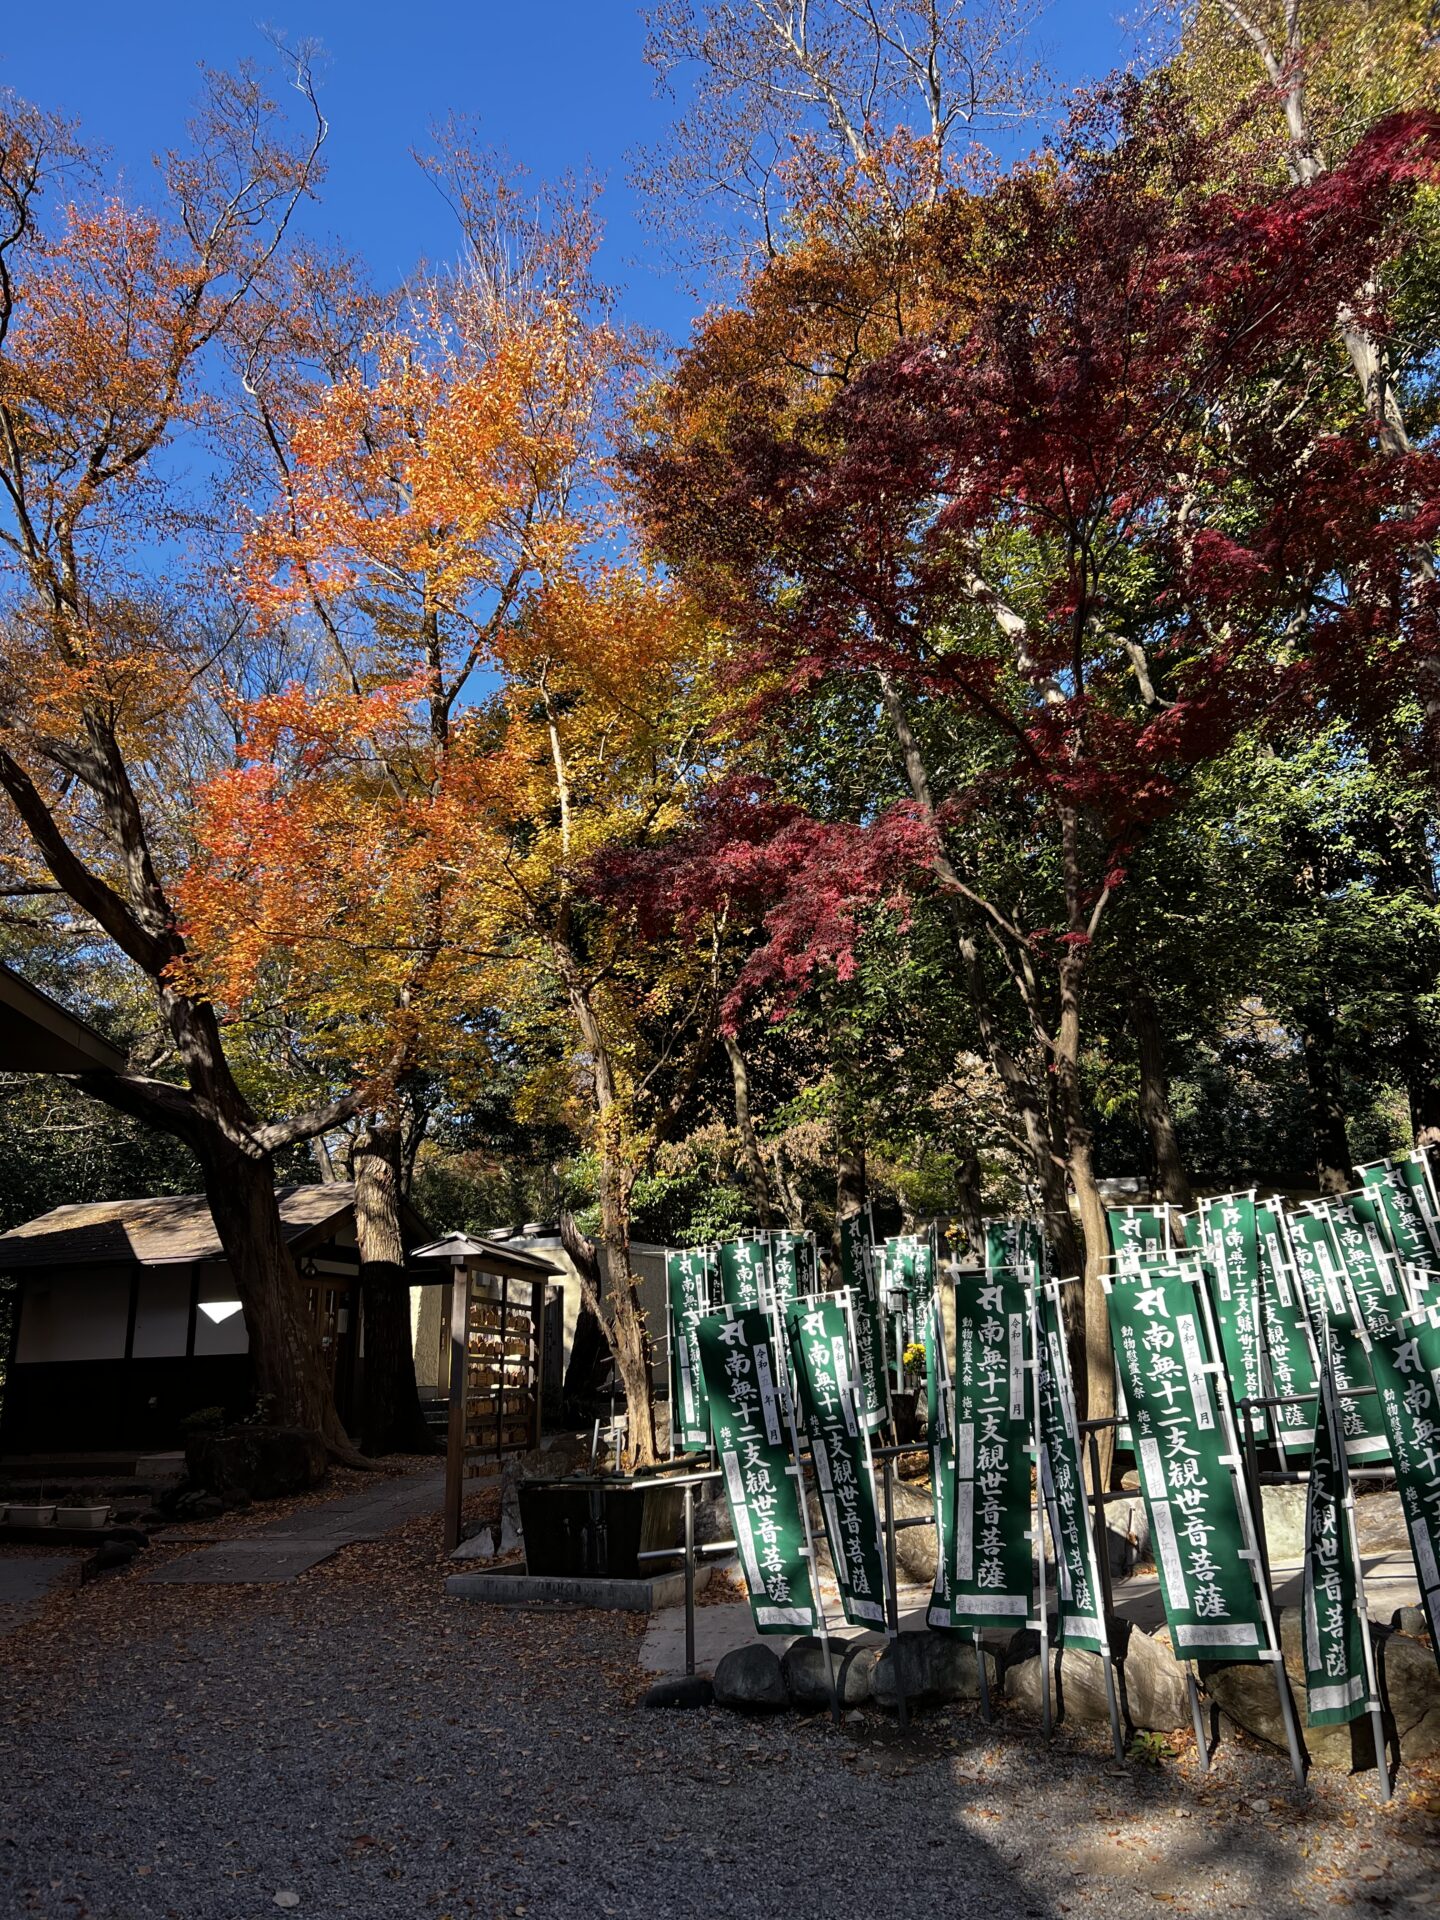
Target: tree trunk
[(1333, 1163), (1099, 1369), (969, 1197), (290, 1375), (391, 1418), (1171, 1181), (589, 1343), (620, 1315), (624, 1321), (756, 1183)]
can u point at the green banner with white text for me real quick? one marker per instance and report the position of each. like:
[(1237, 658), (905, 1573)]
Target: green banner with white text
[(1157, 1323), (1323, 1273), (745, 1273), (939, 1406), (1407, 1228), (858, 1279), (1231, 1245), (688, 1277), (745, 1379), (1336, 1688), (1289, 1348), (993, 1573), (819, 1335), (1077, 1569)]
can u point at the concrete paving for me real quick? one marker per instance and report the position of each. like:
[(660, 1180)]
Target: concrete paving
[(283, 1549)]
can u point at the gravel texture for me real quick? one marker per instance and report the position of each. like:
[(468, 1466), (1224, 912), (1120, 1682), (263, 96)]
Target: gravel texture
[(355, 1744)]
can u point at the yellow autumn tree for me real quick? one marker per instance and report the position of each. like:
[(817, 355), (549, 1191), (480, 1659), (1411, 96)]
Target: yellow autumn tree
[(403, 844)]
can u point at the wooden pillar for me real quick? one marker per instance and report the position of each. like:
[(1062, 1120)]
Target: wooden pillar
[(537, 1323), (459, 1384), (504, 1362)]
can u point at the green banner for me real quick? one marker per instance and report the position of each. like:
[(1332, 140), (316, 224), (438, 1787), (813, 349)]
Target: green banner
[(1415, 1172), (1231, 1244), (1077, 1569), (688, 1276), (1289, 1349), (745, 1379), (1336, 1686), (1015, 1246), (857, 1278), (745, 1273), (1404, 1221), (1322, 1271), (792, 1268), (820, 1344), (1137, 1234), (907, 1270), (993, 1570), (1174, 1389), (1405, 1354), (939, 1406)]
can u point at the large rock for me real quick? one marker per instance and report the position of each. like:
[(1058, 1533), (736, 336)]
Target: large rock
[(902, 1667), (1077, 1686), (1245, 1691), (915, 1554), (804, 1669), (1412, 1692), (1149, 1681), (952, 1672), (1153, 1693), (1284, 1509), (751, 1680), (929, 1668), (268, 1463)]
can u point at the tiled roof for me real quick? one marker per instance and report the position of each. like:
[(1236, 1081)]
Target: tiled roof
[(164, 1229)]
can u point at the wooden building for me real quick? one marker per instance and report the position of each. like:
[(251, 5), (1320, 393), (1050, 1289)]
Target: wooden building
[(127, 1318)]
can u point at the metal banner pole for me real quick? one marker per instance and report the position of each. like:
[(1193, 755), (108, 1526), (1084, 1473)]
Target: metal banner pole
[(902, 1705), (1252, 1530), (1107, 1599), (689, 1578), (1324, 1385), (782, 1381), (1038, 1534), (1197, 1716), (892, 1564)]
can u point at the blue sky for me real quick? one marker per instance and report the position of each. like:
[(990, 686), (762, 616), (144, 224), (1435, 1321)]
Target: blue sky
[(558, 83)]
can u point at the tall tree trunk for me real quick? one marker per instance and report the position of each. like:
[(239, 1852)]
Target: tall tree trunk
[(1099, 1371), (628, 1333), (756, 1183), (1171, 1181), (391, 1418), (1333, 1162), (621, 1313), (968, 1205), (290, 1373)]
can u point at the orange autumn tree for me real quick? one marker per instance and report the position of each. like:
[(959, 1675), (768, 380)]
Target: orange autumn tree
[(116, 317), (399, 849)]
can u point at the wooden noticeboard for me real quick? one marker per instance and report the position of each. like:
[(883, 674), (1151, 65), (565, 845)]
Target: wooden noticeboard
[(497, 1357)]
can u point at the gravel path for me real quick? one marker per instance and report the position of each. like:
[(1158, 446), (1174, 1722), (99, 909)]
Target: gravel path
[(364, 1747)]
